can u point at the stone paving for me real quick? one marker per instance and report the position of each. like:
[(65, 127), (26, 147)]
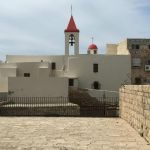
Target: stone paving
[(18, 133)]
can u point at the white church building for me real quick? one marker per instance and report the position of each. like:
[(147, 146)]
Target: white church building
[(53, 76)]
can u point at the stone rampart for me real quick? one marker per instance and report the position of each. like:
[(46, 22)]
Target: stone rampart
[(135, 108)]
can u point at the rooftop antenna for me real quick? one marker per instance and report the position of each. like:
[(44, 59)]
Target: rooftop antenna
[(71, 9)]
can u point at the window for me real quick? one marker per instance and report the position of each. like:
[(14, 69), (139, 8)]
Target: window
[(53, 65), (144, 80), (146, 68), (136, 62), (95, 52), (96, 85), (135, 46), (26, 74), (138, 81), (148, 80), (148, 62), (71, 82), (95, 67)]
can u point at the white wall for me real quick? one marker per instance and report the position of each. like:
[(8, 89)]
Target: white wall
[(35, 61), (113, 70), (38, 87), (4, 74), (28, 67), (31, 58)]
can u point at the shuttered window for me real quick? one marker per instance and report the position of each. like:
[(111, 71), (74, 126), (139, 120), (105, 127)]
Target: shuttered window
[(136, 62)]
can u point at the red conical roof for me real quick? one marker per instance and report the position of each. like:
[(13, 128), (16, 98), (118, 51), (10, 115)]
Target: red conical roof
[(72, 26)]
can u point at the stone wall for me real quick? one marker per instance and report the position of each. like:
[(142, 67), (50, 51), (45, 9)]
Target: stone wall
[(135, 108), (67, 109)]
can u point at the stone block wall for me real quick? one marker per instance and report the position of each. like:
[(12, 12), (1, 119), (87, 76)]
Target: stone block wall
[(135, 108), (67, 110)]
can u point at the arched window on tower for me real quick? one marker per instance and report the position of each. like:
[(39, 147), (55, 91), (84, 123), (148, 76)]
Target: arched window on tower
[(96, 85), (71, 40)]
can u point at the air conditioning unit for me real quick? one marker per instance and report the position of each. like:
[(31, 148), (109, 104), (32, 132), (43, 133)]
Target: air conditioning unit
[(147, 67)]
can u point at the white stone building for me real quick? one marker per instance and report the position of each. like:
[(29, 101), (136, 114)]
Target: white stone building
[(53, 75)]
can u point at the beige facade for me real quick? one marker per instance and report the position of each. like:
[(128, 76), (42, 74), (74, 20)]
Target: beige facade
[(139, 49), (111, 49)]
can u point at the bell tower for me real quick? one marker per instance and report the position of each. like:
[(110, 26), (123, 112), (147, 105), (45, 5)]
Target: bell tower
[(71, 37)]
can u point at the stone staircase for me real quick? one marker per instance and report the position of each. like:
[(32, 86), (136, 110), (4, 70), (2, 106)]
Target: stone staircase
[(92, 106), (82, 98)]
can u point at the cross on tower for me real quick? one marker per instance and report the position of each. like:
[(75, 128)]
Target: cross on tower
[(71, 36), (71, 10), (92, 39)]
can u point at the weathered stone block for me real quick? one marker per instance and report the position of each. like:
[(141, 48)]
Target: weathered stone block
[(135, 106)]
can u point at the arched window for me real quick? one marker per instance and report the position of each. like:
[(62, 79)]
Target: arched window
[(96, 85)]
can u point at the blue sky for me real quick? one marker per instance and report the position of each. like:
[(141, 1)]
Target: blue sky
[(37, 26)]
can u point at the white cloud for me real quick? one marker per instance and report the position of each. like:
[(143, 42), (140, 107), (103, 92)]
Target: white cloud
[(37, 26)]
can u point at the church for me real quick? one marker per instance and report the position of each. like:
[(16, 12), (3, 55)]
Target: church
[(54, 76)]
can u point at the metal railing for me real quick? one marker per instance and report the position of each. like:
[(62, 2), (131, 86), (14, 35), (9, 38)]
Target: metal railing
[(59, 106)]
